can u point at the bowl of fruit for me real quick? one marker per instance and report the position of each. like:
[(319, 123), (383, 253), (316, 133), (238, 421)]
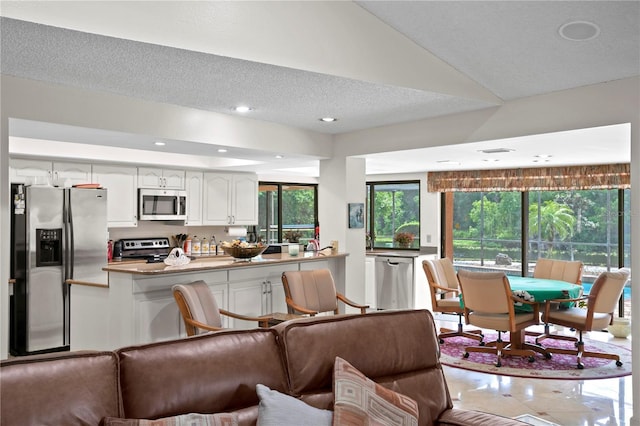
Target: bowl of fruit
[(243, 250)]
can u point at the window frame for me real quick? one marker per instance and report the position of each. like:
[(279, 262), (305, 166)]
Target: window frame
[(370, 216)]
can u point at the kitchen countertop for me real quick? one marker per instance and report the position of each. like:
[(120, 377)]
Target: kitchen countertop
[(216, 262), (401, 253)]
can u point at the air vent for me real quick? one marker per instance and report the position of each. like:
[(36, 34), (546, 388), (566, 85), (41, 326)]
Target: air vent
[(496, 150)]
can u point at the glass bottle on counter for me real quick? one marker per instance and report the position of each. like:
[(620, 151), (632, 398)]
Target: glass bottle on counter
[(187, 246), (204, 247), (195, 246), (213, 246)]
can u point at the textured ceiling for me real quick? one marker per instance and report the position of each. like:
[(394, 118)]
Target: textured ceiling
[(477, 54)]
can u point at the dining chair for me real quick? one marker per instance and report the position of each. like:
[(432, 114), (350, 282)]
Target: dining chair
[(561, 270), (444, 289), (601, 301), (200, 311), (489, 304), (312, 292)]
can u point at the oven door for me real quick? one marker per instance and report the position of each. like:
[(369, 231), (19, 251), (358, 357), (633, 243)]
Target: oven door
[(158, 204)]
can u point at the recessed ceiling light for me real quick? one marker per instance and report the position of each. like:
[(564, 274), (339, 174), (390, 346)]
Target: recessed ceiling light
[(579, 31), (495, 150), (490, 160), (243, 108), (222, 150), (279, 156), (448, 162), (328, 119), (542, 155), (159, 143)]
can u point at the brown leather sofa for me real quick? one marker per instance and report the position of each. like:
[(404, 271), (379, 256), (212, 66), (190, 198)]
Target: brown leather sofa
[(218, 372)]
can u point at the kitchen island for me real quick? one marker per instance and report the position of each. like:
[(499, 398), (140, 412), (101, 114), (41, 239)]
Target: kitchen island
[(138, 306)]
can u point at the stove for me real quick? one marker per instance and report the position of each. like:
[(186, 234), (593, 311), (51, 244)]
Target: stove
[(151, 249)]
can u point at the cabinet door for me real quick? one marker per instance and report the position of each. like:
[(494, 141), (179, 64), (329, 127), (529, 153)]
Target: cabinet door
[(157, 317), (245, 201), (122, 193), (217, 196), (173, 179), (149, 178), (69, 174), (193, 186), (247, 298), (278, 300), (30, 171)]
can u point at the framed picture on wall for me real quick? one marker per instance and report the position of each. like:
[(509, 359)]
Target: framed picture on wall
[(356, 215)]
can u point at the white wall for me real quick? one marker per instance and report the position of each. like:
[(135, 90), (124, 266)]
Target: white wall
[(342, 181)]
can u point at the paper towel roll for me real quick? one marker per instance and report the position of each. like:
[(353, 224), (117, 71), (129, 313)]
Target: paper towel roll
[(237, 231)]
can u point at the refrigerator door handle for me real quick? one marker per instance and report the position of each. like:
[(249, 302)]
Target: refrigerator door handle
[(68, 236), (71, 239)]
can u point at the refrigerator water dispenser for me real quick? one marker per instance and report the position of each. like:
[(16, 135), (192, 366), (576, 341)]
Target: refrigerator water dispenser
[(48, 247)]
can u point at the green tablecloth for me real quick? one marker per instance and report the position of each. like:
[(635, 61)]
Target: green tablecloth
[(539, 290)]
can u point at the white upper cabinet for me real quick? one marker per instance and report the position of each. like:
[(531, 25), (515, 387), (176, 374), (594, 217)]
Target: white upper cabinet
[(160, 178), (122, 193), (245, 200), (47, 172), (230, 199), (194, 184)]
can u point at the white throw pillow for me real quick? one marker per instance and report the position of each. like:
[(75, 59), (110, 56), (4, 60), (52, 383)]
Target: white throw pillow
[(278, 409)]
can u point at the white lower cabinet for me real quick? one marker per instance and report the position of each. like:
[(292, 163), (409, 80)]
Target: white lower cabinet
[(157, 317), (257, 291), (138, 308), (156, 313)]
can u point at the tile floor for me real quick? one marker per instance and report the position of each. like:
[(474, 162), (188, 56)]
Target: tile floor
[(563, 402)]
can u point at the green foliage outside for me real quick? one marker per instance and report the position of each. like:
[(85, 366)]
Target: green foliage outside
[(298, 211), (562, 224), (396, 209)]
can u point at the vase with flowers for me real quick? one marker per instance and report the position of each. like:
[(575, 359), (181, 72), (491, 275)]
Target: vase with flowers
[(403, 239)]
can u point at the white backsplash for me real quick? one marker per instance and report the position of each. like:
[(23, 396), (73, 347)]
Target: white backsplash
[(148, 229)]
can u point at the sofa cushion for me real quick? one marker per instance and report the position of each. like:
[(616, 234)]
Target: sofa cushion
[(66, 388), (397, 349), (191, 419), (278, 409), (212, 373), (359, 400)]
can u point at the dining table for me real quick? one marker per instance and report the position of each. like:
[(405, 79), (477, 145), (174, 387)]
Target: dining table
[(537, 290), (540, 290)]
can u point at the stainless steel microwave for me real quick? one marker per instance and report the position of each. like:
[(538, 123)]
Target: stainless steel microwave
[(161, 204)]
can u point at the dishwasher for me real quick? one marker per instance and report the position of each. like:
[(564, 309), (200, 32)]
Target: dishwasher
[(394, 282)]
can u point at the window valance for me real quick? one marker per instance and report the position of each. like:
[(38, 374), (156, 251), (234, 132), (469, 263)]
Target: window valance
[(605, 176)]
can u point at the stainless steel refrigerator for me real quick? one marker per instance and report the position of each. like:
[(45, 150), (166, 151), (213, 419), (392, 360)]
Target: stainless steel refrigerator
[(58, 235)]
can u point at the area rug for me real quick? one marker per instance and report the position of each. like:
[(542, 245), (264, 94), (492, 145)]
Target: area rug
[(558, 367)]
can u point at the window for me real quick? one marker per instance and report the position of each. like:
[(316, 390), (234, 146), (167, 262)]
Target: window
[(287, 211), (592, 226), (487, 226), (393, 214)]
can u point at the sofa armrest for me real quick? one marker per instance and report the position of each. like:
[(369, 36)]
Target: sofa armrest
[(458, 417)]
